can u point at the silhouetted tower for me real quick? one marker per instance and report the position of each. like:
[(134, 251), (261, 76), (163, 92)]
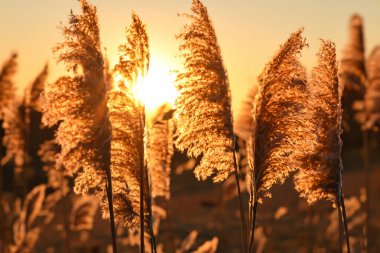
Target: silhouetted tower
[(352, 78)]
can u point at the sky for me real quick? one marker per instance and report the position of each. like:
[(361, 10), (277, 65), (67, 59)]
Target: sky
[(249, 31)]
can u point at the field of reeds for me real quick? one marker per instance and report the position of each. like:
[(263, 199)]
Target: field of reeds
[(86, 167)]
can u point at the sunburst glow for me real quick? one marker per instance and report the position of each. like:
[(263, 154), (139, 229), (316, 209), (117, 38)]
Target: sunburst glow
[(157, 87)]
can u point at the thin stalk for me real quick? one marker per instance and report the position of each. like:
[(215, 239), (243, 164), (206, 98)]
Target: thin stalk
[(142, 246), (142, 174), (152, 236), (151, 232), (110, 206), (2, 215), (254, 211), (366, 164), (345, 224), (340, 225), (242, 217)]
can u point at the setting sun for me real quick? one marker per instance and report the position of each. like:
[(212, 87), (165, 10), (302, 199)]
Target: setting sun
[(157, 87)]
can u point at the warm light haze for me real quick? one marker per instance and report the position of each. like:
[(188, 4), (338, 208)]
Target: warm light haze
[(247, 33), (158, 86), (189, 126)]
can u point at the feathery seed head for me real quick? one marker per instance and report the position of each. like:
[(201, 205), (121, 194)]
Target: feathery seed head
[(321, 170), (127, 118), (35, 90), (78, 104), (159, 153), (203, 106), (7, 93), (372, 96), (277, 141)]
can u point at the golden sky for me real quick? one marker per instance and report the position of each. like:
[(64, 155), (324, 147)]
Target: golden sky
[(249, 31)]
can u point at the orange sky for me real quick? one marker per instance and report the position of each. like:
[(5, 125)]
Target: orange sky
[(248, 31)]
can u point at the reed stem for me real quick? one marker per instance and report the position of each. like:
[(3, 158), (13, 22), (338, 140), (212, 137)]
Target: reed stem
[(151, 232), (242, 217), (110, 206), (345, 225), (253, 225), (142, 181), (340, 225)]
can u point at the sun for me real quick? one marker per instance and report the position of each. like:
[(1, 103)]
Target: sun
[(157, 87)]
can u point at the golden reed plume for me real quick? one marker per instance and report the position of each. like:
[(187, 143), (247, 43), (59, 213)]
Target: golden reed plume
[(372, 96), (320, 176), (321, 170), (9, 114), (127, 118), (13, 118), (78, 104), (26, 230), (353, 81), (55, 176), (7, 87), (160, 152), (278, 130), (275, 141), (35, 90), (203, 106)]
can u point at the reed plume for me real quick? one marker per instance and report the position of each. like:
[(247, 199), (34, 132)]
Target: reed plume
[(203, 106), (15, 139), (282, 92), (56, 179), (353, 80), (25, 229), (159, 153), (12, 123), (321, 170), (36, 89), (372, 96), (320, 176), (371, 122), (15, 128), (126, 117), (83, 212), (78, 104), (18, 136), (7, 93), (275, 142)]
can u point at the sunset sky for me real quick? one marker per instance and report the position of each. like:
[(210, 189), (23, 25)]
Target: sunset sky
[(249, 31)]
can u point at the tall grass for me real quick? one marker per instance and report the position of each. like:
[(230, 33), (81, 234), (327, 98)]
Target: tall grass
[(276, 141), (203, 108)]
